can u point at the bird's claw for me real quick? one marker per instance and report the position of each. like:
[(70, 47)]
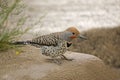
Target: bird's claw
[(69, 59), (65, 58)]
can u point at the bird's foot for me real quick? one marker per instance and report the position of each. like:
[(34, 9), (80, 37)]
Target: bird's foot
[(65, 58)]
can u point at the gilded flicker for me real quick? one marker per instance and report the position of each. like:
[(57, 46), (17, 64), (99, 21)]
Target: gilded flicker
[(55, 44)]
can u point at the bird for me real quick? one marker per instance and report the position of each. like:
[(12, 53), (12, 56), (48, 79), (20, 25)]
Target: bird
[(55, 44)]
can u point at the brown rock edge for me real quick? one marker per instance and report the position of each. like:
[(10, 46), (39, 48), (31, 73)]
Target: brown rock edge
[(32, 65)]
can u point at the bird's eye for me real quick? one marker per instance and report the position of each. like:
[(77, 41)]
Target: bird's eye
[(73, 33)]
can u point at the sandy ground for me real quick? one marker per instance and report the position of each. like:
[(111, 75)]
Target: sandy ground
[(31, 65)]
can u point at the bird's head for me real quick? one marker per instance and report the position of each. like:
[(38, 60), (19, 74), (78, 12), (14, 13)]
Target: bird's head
[(74, 33)]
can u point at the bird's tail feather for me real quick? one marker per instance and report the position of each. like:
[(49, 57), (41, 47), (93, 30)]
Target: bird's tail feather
[(23, 42)]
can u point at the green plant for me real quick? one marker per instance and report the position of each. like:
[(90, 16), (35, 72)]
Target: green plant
[(9, 31)]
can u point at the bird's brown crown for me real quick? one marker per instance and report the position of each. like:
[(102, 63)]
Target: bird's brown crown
[(74, 30)]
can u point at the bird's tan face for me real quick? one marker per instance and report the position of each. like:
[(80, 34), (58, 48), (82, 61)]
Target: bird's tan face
[(75, 33)]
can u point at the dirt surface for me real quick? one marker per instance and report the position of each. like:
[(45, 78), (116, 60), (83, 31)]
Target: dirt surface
[(31, 65)]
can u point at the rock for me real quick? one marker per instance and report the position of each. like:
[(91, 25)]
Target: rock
[(32, 65), (83, 67)]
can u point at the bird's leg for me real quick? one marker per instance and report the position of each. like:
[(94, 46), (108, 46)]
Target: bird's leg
[(65, 58)]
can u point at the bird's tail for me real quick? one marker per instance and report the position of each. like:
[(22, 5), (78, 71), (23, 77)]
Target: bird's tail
[(24, 42)]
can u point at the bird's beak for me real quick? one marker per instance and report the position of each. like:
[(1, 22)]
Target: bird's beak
[(82, 37)]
